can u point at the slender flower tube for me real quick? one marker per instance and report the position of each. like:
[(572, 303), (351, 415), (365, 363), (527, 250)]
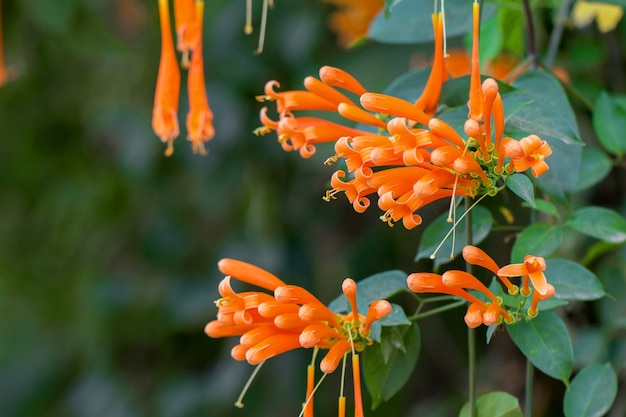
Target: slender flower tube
[(165, 112), (187, 30), (200, 118)]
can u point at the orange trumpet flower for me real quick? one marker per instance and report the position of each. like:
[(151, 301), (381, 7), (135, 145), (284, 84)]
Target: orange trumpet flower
[(165, 112)]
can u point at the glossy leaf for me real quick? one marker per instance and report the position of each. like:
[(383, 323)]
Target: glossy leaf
[(388, 365), (595, 167), (494, 404), (409, 21), (573, 281), (609, 122), (522, 187), (612, 308), (591, 392), (545, 341), (435, 232), (538, 239), (541, 107), (544, 207), (599, 222)]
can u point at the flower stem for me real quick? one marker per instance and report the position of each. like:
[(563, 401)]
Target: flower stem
[(530, 35), (555, 38), (471, 333), (528, 400)]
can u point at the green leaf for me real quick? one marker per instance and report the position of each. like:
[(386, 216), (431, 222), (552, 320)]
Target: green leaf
[(540, 107), (595, 167), (522, 187), (573, 281), (591, 345), (544, 207), (388, 365), (435, 232), (409, 86), (512, 24), (599, 222), (545, 341), (494, 404), (592, 392), (617, 2), (609, 122), (538, 239), (409, 21), (612, 308)]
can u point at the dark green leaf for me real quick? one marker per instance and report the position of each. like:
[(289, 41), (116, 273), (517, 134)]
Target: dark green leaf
[(592, 392), (538, 239), (609, 122), (409, 86), (618, 2), (599, 222), (435, 232), (409, 21), (544, 207), (591, 345), (522, 187), (595, 167), (573, 281), (545, 341), (612, 307), (494, 404), (387, 365)]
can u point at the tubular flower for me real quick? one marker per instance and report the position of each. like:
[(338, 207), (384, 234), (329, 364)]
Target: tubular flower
[(188, 17), (290, 318), (352, 19), (187, 30), (165, 113), (485, 307), (200, 118)]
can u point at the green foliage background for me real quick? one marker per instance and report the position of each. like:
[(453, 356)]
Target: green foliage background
[(108, 249)]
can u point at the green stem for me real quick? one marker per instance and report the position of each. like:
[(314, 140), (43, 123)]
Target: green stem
[(530, 35), (451, 306), (471, 333), (528, 400), (557, 33)]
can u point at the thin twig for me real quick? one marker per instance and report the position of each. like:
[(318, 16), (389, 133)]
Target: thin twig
[(530, 35), (557, 33)]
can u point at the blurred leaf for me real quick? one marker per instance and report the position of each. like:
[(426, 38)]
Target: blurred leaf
[(51, 15), (522, 187), (612, 307), (594, 168), (409, 21), (437, 230), (545, 341), (590, 346), (490, 29), (409, 86), (538, 239), (591, 392), (573, 281), (388, 365), (609, 122), (544, 207), (596, 250), (511, 21), (599, 222), (494, 404)]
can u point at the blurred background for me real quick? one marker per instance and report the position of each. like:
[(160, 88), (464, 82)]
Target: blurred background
[(108, 249)]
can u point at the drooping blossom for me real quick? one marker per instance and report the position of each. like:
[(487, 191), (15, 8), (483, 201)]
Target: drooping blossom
[(200, 117), (165, 112), (488, 309), (287, 317), (187, 30)]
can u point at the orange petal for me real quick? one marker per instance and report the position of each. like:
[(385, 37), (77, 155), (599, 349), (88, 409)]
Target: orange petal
[(334, 356), (272, 346), (249, 273)]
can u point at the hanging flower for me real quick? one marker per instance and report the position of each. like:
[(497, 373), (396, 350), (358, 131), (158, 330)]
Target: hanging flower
[(165, 112), (290, 318)]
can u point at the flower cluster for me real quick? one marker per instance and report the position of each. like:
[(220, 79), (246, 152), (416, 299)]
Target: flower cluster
[(290, 318), (403, 154), (493, 311), (188, 18)]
